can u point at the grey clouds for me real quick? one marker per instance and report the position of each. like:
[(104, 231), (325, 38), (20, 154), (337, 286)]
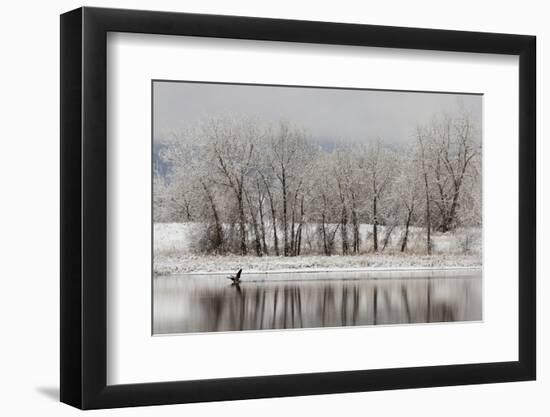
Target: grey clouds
[(328, 115)]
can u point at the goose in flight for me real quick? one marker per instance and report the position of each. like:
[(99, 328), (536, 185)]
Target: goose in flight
[(236, 278)]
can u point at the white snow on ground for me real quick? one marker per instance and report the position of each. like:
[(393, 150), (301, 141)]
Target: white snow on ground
[(173, 255), (165, 265), (172, 238)]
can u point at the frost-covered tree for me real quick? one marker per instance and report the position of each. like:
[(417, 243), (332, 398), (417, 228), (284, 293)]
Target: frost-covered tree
[(379, 166), (251, 187), (231, 152), (325, 208), (457, 145), (407, 192), (424, 156), (290, 153)]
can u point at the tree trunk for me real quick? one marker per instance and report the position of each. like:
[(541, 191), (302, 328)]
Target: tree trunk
[(448, 220), (219, 240), (343, 219), (355, 222), (257, 241), (293, 229), (285, 216), (298, 244), (262, 224), (428, 217), (324, 227), (375, 223), (387, 237), (427, 192), (356, 235), (406, 236), (344, 231), (186, 205), (242, 223), (442, 205), (324, 231), (273, 218)]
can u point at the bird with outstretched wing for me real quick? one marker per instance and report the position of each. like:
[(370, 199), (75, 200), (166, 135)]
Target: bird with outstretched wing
[(237, 277)]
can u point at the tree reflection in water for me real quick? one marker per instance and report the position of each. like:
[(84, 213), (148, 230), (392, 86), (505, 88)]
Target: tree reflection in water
[(209, 305)]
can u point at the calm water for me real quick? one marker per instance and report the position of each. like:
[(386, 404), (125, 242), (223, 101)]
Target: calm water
[(206, 303)]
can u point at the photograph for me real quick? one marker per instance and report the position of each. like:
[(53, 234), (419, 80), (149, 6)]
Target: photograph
[(299, 207)]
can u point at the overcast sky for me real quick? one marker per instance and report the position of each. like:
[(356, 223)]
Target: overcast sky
[(329, 115)]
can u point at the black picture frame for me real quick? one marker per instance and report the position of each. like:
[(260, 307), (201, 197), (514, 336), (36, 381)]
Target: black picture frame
[(84, 207)]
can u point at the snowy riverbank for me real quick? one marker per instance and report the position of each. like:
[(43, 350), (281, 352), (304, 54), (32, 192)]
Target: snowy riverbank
[(173, 254), (185, 263)]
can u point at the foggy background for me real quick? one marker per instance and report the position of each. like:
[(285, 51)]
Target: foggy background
[(328, 115)]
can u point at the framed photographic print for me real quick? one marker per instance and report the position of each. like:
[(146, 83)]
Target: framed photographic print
[(257, 208)]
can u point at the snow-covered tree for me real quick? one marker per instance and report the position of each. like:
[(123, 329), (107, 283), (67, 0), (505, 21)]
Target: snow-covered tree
[(251, 187), (378, 164)]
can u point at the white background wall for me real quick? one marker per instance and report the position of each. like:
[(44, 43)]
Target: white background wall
[(29, 231)]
